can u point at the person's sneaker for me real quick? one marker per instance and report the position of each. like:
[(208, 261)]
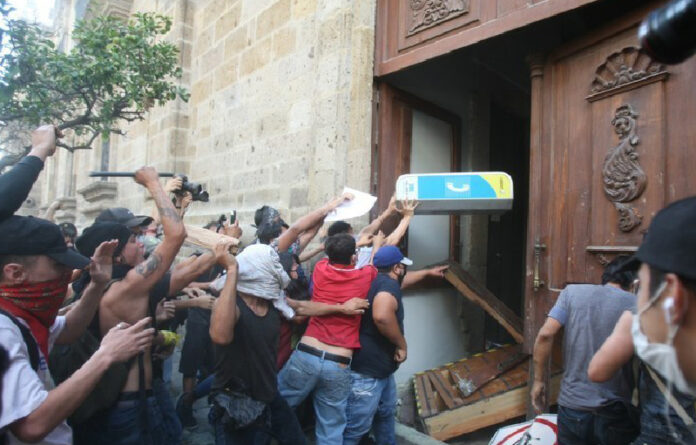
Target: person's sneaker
[(185, 412)]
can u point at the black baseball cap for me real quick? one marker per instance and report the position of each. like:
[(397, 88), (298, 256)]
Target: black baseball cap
[(670, 243), (123, 216), (99, 232), (26, 235)]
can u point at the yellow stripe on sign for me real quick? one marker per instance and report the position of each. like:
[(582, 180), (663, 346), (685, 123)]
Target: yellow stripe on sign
[(501, 183)]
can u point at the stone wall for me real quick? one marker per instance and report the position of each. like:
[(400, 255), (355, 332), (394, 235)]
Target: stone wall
[(279, 114)]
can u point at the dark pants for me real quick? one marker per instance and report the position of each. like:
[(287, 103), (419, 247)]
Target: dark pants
[(284, 427), (608, 425), (128, 424)]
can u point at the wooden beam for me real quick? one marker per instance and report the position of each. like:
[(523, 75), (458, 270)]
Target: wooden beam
[(481, 296), (207, 239), (489, 411)]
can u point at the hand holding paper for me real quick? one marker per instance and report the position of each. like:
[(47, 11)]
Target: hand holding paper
[(358, 206)]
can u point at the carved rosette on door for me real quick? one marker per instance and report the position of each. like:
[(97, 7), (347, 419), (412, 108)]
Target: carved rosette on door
[(624, 179)]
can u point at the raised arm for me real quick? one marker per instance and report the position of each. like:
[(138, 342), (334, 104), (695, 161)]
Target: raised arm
[(141, 278), (81, 314), (16, 184), (616, 351), (189, 271), (407, 211), (542, 352), (225, 314), (365, 235), (308, 235), (308, 221)]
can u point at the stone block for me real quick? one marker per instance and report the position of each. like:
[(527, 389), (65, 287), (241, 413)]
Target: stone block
[(284, 42), (273, 18), (256, 57), (237, 41), (201, 90), (226, 74), (228, 21), (303, 8)]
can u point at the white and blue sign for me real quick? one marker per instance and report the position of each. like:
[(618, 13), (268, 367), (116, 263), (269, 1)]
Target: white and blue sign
[(442, 193)]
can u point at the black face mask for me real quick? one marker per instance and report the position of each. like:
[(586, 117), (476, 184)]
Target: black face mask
[(401, 276)]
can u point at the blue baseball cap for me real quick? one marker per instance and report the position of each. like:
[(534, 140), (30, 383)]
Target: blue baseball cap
[(388, 256)]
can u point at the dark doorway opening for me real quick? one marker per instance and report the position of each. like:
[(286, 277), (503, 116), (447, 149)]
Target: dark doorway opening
[(509, 152)]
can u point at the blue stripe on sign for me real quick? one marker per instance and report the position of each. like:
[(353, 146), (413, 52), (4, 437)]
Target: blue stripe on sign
[(454, 187)]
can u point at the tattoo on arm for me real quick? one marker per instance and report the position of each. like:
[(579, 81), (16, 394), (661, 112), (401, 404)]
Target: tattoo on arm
[(147, 267), (169, 213)]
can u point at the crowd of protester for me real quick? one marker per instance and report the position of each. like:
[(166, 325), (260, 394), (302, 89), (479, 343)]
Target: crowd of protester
[(88, 324)]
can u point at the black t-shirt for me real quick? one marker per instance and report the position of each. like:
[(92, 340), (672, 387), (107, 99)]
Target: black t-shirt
[(248, 364), (375, 358)]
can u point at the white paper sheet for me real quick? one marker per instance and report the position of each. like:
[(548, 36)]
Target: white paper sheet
[(358, 206)]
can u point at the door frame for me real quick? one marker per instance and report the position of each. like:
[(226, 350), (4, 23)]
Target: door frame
[(391, 148)]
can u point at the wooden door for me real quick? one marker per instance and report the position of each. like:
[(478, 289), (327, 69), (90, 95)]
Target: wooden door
[(613, 140)]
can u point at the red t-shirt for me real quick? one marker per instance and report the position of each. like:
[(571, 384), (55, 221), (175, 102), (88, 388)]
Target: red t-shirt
[(336, 284)]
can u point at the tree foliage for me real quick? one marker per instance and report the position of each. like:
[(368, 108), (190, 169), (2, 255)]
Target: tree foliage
[(114, 73)]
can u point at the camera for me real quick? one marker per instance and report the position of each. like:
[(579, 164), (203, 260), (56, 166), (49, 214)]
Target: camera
[(668, 34), (195, 188)]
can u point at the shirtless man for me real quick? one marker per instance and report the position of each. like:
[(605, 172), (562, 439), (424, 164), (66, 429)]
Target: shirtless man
[(128, 300)]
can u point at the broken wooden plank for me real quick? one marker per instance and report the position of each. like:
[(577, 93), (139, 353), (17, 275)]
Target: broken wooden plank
[(491, 367), (423, 405), (442, 389), (486, 412), (481, 296)]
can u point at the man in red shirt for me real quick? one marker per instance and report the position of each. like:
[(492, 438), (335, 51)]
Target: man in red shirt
[(321, 362)]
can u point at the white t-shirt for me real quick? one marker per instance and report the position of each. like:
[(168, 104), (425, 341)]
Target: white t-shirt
[(23, 389), (364, 254)]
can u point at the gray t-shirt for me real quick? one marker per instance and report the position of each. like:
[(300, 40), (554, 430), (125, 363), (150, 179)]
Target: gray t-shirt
[(589, 313)]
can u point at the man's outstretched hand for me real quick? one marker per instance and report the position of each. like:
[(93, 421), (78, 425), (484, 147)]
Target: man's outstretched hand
[(123, 341), (101, 265)]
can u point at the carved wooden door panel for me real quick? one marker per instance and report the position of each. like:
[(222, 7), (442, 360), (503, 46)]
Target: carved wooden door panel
[(613, 141)]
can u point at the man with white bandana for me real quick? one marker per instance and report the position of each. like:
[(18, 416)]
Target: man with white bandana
[(663, 332), (247, 407)]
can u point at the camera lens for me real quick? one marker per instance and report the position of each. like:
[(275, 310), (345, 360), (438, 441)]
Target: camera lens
[(667, 34)]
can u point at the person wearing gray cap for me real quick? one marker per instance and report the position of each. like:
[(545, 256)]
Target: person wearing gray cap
[(663, 331), (35, 269)]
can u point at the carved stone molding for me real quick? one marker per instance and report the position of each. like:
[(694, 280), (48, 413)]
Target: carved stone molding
[(624, 179), (625, 70), (68, 210), (428, 13), (100, 195)]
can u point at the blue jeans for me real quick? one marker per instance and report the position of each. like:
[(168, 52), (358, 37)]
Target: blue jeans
[(608, 425), (371, 404), (330, 383), (170, 419), (128, 424), (284, 427)]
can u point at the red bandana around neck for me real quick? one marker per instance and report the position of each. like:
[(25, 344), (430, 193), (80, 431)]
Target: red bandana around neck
[(37, 304)]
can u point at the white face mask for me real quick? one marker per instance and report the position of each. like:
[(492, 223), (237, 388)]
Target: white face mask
[(662, 357)]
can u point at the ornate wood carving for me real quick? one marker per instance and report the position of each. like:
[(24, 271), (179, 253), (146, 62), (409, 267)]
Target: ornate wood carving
[(428, 13), (624, 179), (624, 70)]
